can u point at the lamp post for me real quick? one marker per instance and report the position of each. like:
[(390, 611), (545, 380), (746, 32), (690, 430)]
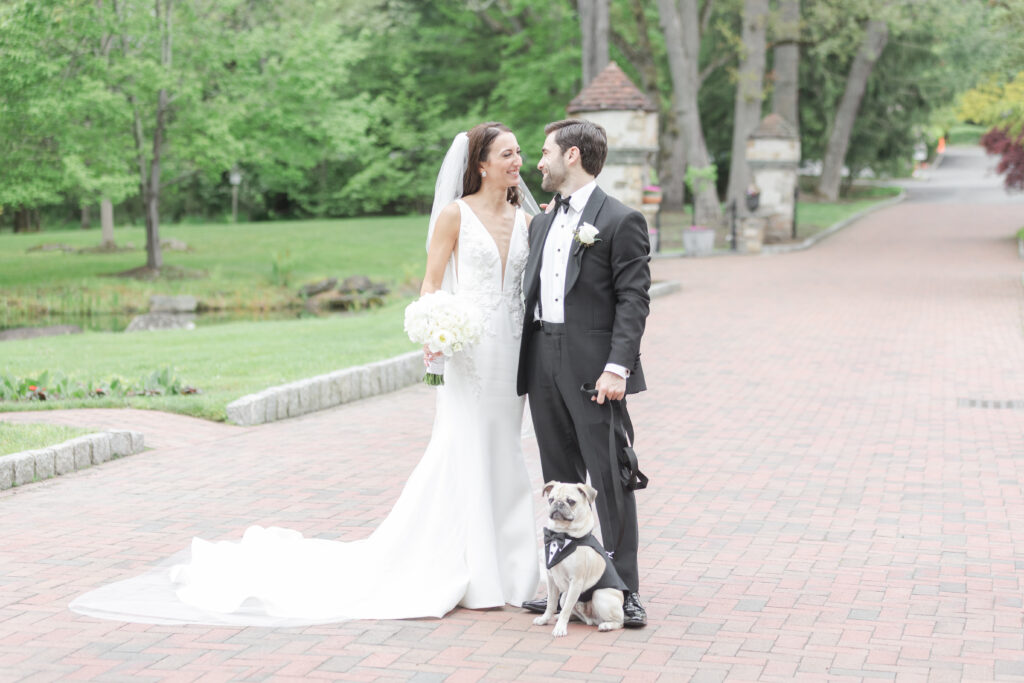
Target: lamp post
[(235, 178)]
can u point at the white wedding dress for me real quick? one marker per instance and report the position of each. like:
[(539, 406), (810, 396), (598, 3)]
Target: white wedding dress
[(461, 533)]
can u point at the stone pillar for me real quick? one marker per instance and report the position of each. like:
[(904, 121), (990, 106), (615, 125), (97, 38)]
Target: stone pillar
[(631, 122), (773, 154)]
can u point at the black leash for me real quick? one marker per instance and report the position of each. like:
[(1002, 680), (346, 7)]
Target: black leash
[(624, 466)]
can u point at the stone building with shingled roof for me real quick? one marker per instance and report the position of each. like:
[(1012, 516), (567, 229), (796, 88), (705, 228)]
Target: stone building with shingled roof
[(631, 121)]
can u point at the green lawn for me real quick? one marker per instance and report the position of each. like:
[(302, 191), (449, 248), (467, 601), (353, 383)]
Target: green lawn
[(254, 266), (223, 361), (247, 266), (813, 217), (15, 438), (965, 134)]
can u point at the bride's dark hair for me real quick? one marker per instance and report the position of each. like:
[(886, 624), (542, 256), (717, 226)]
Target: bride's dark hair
[(480, 138)]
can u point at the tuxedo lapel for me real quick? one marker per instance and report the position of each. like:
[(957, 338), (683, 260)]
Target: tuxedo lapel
[(539, 228), (590, 212)]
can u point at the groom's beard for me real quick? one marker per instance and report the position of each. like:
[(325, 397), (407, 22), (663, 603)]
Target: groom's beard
[(552, 180)]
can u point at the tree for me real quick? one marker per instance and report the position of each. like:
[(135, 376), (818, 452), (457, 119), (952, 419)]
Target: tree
[(168, 65), (594, 32), (635, 36), (30, 174), (1001, 106), (786, 63), (681, 26), (749, 94), (998, 101), (876, 35)]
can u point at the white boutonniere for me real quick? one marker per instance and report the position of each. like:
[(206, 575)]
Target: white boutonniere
[(586, 235)]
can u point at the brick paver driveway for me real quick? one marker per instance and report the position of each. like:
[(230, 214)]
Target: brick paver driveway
[(835, 439)]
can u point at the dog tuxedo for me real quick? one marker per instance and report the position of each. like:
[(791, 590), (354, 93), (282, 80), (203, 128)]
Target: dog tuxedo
[(558, 546)]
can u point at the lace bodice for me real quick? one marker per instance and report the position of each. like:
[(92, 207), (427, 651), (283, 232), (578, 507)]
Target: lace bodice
[(479, 275)]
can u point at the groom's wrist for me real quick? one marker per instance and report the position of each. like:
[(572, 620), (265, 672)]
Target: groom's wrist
[(616, 369)]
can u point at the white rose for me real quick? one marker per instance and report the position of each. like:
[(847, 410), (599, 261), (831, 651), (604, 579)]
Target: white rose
[(587, 234)]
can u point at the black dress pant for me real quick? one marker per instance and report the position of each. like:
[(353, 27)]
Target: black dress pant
[(572, 434)]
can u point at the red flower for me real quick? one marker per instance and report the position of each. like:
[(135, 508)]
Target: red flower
[(31, 387)]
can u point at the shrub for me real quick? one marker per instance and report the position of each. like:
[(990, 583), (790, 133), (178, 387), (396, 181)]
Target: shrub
[(1011, 149), (47, 387)]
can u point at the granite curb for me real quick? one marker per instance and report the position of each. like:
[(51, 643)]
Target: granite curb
[(832, 229), (342, 386), (75, 454)]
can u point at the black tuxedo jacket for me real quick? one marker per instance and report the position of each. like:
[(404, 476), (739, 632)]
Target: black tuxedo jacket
[(606, 291)]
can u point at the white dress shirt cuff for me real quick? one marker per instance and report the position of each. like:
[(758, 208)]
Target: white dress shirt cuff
[(617, 370)]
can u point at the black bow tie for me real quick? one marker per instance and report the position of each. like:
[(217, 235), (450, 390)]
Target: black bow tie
[(550, 535), (562, 202)]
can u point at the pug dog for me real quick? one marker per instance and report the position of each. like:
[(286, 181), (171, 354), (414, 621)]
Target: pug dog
[(578, 565)]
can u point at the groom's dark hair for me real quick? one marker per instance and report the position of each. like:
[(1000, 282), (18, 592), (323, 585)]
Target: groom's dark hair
[(586, 136)]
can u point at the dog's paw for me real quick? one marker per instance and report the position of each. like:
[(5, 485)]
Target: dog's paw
[(541, 620), (609, 625), (560, 630)]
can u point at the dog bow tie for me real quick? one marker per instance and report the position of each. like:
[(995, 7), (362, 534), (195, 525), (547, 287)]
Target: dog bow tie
[(560, 536)]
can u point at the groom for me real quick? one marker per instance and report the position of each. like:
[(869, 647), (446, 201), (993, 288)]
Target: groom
[(586, 305)]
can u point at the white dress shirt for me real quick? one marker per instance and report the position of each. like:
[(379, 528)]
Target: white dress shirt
[(555, 261)]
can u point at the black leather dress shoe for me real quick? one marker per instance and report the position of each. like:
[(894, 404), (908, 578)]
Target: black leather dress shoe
[(538, 606), (636, 615)]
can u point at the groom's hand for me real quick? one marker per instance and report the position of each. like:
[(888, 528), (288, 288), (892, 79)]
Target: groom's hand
[(609, 385)]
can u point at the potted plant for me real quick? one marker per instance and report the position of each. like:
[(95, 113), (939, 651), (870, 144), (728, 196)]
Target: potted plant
[(699, 240), (652, 194)]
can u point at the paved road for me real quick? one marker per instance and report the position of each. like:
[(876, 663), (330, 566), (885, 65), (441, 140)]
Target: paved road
[(835, 439), (966, 175)]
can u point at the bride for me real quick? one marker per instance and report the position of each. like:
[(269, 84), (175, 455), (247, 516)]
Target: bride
[(463, 531)]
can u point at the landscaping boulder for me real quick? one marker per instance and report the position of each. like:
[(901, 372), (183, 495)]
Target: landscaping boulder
[(162, 321), (315, 288), (355, 283), (51, 247), (345, 302), (160, 303), (174, 245)]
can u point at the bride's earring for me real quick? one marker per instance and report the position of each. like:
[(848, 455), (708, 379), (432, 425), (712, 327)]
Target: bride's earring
[(483, 174)]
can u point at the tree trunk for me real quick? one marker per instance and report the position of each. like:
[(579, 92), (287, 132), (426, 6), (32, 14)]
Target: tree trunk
[(671, 163), (786, 64), (594, 31), (749, 96), (150, 178), (682, 44), (876, 35), (672, 167), (22, 220), (85, 221), (154, 254), (107, 222)]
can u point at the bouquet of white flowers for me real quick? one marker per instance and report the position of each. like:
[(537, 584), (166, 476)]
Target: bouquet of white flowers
[(445, 324)]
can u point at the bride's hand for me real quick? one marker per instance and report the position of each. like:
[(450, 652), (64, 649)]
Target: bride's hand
[(430, 356)]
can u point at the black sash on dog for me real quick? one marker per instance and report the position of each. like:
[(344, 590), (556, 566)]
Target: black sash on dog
[(559, 545)]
